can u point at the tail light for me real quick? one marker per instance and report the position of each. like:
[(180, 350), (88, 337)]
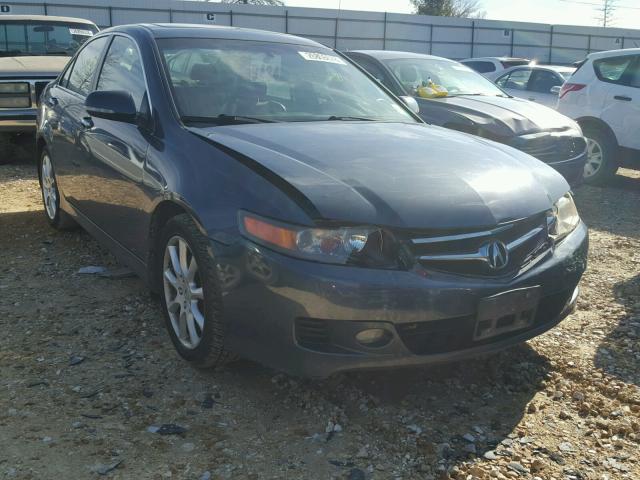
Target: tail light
[(571, 87)]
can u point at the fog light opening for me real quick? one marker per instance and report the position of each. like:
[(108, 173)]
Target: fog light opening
[(374, 337)]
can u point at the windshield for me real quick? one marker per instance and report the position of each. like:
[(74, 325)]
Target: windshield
[(456, 78), (219, 80), (42, 38)]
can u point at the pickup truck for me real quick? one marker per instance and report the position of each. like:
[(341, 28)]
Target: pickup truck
[(34, 49)]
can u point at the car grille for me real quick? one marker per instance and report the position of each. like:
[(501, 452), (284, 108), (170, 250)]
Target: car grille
[(451, 334), (550, 148), (506, 250)]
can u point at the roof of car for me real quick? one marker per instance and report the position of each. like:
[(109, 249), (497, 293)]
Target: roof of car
[(43, 18), (187, 30), (613, 53), (393, 54)]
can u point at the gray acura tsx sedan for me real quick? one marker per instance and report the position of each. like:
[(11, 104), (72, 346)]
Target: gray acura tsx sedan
[(290, 210)]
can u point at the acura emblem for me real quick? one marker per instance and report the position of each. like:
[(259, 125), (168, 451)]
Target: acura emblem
[(497, 255)]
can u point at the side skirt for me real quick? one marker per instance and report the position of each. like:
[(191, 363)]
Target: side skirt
[(123, 255)]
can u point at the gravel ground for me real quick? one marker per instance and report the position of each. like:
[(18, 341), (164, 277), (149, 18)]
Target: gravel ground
[(88, 375)]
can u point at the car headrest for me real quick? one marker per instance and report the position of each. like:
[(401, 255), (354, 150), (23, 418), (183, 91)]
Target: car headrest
[(203, 72)]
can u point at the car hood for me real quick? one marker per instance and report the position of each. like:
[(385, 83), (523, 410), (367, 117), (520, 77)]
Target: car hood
[(43, 66), (394, 174), (508, 116)]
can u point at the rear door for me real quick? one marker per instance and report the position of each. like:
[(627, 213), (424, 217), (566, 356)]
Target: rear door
[(69, 151), (620, 77), (115, 198)]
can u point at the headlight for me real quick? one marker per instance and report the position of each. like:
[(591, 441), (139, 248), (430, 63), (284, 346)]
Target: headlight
[(14, 95), (564, 218), (14, 87), (365, 245)]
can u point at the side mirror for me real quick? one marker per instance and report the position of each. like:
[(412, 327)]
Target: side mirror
[(411, 103), (113, 105), (556, 90)]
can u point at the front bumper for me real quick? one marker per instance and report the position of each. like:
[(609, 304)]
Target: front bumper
[(572, 170), (302, 317), (18, 120)]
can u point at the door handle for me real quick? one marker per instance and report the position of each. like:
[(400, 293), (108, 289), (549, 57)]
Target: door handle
[(624, 98), (532, 99), (52, 101), (87, 123)]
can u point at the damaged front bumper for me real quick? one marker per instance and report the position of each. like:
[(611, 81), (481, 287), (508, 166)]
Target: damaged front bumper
[(303, 317)]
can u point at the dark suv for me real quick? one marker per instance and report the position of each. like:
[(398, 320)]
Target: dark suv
[(33, 51)]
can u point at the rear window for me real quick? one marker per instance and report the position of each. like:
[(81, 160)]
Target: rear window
[(514, 63), (612, 69), (480, 66), (19, 38)]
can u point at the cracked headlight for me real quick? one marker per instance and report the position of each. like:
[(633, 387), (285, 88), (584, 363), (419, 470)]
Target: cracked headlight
[(563, 219)]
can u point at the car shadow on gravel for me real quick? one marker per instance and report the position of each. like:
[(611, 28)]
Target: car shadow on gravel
[(618, 353), (452, 412)]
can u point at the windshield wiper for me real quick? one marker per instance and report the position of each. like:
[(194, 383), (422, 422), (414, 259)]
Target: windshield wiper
[(342, 118), (224, 119)]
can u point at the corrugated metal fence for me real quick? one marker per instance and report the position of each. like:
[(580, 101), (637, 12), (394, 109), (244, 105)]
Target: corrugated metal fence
[(455, 38)]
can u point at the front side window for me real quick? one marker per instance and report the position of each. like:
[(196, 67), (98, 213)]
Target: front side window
[(85, 66), (613, 69), (516, 80), (270, 81), (542, 81), (19, 38), (122, 70), (455, 77)]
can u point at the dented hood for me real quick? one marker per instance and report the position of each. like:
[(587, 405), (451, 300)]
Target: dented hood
[(393, 174), (501, 116)]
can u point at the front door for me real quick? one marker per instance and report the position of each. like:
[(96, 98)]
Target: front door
[(115, 197)]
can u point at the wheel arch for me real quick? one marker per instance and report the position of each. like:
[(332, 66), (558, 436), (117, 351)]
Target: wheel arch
[(599, 124), (164, 211), (41, 144)]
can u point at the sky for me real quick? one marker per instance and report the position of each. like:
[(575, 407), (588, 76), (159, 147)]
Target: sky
[(559, 12)]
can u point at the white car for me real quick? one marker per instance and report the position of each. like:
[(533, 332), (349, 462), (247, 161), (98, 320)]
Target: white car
[(603, 96), (492, 65), (538, 83)]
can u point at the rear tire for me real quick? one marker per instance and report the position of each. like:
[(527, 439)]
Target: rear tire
[(191, 294), (57, 218), (7, 148), (602, 161)]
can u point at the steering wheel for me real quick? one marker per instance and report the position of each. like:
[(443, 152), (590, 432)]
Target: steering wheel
[(275, 107)]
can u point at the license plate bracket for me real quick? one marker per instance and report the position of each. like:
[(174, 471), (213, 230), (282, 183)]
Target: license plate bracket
[(506, 312)]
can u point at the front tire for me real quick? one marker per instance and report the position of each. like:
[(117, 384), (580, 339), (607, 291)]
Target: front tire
[(57, 218), (602, 151), (191, 295)]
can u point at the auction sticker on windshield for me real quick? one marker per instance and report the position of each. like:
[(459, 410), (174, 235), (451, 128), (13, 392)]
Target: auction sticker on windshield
[(80, 31), (321, 57)]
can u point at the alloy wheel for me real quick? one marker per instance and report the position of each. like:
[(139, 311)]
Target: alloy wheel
[(183, 292), (49, 190), (595, 158)]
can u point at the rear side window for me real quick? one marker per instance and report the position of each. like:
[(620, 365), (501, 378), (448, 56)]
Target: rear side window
[(634, 73), (481, 67), (516, 80), (613, 69), (85, 66)]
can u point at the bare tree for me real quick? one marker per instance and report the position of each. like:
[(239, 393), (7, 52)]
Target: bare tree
[(449, 8), (607, 11), (274, 3)]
